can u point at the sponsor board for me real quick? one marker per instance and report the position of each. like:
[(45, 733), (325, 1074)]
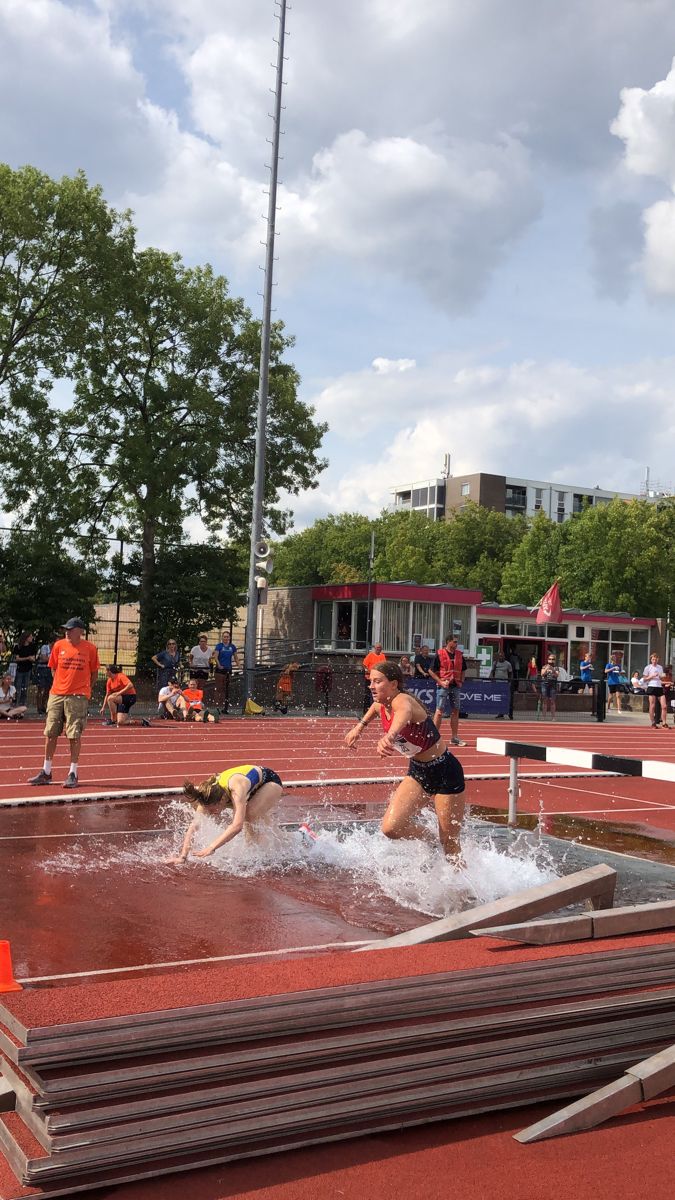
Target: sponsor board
[(482, 697)]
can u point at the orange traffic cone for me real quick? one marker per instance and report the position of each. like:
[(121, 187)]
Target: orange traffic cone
[(7, 981)]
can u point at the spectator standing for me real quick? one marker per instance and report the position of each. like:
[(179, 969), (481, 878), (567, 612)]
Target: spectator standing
[(447, 671), (668, 689), (532, 674), (652, 677), (25, 654), (225, 656), (43, 680), (75, 664), (200, 658), (613, 675), (586, 671), (423, 663), (323, 683), (371, 660), (284, 691), (5, 655), (167, 662), (549, 685), (9, 709), (503, 671)]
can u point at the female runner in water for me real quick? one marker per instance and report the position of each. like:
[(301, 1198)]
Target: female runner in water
[(251, 792), (434, 773)]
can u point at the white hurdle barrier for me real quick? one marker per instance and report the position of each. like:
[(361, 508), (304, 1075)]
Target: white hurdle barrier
[(607, 764)]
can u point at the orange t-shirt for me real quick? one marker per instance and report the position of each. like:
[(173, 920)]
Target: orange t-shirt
[(194, 697), (117, 683), (371, 660), (73, 667)]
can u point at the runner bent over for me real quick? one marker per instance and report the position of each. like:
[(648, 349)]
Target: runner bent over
[(252, 793)]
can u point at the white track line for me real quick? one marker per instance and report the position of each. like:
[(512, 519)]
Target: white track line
[(149, 793), (191, 962), (614, 795)]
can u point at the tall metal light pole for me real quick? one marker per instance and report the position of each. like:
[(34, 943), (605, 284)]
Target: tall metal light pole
[(263, 386)]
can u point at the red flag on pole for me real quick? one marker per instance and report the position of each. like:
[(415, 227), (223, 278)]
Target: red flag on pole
[(550, 606)]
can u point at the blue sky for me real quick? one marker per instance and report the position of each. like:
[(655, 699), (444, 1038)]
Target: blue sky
[(477, 225)]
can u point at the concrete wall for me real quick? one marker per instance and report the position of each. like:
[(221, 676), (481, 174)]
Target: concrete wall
[(488, 490)]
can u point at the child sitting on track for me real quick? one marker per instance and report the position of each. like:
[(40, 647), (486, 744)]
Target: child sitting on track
[(252, 793), (195, 701)]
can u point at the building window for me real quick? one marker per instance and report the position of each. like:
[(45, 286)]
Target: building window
[(324, 623), (515, 500), (394, 626), (426, 623), (538, 499), (556, 631), (581, 631), (456, 620), (483, 625), (466, 489), (580, 502)]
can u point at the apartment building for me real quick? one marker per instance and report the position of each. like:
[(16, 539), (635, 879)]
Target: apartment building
[(513, 496)]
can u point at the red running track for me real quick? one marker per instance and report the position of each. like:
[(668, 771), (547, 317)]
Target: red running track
[(313, 749)]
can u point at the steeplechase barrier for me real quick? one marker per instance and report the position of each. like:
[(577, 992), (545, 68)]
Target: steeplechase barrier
[(605, 764)]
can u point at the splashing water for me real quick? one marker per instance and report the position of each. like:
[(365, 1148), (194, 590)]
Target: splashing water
[(350, 866)]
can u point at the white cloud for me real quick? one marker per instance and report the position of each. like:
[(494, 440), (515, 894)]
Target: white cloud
[(646, 125), (385, 366), (546, 420), (440, 215)]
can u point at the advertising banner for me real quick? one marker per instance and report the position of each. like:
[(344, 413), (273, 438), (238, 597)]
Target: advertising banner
[(480, 697)]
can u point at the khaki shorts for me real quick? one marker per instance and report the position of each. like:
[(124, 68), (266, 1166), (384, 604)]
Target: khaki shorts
[(68, 711)]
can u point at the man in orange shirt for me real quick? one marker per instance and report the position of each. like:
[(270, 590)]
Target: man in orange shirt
[(74, 664), (371, 660)]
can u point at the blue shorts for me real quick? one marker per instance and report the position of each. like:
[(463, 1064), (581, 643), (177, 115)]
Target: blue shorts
[(549, 688), (449, 693)]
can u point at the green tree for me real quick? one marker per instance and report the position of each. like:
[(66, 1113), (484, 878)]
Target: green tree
[(162, 424), (475, 547), (197, 587), (334, 549), (535, 562), (620, 557), (42, 585), (407, 546), (60, 247)]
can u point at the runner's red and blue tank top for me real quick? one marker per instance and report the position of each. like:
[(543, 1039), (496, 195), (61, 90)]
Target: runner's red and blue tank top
[(414, 738)]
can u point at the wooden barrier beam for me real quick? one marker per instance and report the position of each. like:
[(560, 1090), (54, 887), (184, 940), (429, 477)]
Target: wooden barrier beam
[(644, 1081), (633, 918), (594, 883), (614, 764)]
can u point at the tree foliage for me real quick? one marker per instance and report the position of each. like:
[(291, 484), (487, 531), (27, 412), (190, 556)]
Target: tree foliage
[(42, 585), (164, 363), (535, 562)]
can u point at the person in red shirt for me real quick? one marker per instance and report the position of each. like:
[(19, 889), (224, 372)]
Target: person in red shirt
[(120, 697), (74, 664)]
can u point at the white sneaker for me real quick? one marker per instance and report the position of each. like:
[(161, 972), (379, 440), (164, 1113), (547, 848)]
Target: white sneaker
[(456, 742)]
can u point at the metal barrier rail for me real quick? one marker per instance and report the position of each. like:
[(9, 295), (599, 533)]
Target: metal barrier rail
[(611, 764)]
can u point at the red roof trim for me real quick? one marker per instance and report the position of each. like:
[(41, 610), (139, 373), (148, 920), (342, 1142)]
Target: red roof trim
[(569, 616), (397, 591)]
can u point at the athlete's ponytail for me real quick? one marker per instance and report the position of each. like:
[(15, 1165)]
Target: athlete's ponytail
[(207, 793)]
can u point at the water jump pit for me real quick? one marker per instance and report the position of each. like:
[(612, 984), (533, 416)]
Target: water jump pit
[(175, 1017), (91, 891)]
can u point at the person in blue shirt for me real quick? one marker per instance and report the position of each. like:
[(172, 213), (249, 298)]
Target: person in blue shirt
[(225, 654), (167, 662), (586, 670), (613, 675)]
